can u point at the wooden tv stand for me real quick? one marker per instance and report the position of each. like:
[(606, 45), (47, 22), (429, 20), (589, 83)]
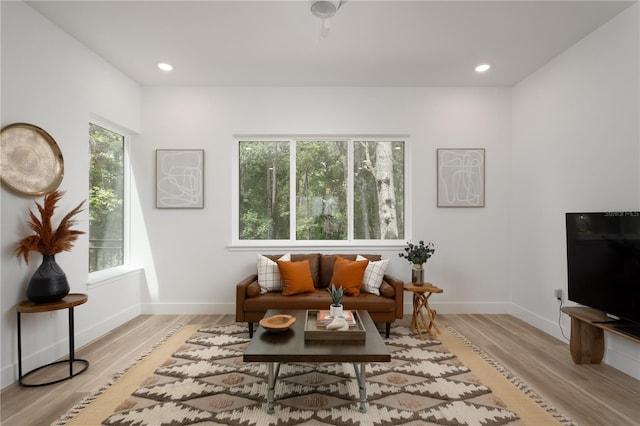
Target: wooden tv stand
[(587, 334)]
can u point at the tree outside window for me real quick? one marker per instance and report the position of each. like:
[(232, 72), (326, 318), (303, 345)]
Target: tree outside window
[(106, 198), (321, 190), (379, 190), (264, 191), (344, 190)]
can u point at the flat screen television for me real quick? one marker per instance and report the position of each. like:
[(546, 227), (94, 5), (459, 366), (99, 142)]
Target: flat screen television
[(603, 264)]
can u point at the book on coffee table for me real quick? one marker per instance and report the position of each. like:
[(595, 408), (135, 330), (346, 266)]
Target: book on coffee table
[(315, 331), (325, 318)]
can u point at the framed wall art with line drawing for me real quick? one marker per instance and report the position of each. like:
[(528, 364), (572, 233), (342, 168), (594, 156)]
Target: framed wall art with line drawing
[(179, 178), (460, 177)]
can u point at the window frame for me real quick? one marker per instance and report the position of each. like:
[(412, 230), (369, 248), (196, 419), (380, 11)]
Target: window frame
[(292, 242), (107, 274)]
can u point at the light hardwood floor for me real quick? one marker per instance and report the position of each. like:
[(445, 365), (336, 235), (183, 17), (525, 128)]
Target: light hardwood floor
[(590, 395)]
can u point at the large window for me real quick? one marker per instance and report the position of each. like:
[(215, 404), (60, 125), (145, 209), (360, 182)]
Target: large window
[(106, 198), (321, 190)]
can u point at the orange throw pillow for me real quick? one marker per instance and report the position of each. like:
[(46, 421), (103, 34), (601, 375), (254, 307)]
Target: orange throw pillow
[(349, 275), (296, 277)]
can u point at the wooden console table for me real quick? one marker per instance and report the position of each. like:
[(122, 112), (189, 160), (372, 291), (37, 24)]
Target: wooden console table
[(587, 334), (68, 302), (421, 294)]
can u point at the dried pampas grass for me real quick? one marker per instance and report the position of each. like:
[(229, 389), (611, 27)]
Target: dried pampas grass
[(46, 240)]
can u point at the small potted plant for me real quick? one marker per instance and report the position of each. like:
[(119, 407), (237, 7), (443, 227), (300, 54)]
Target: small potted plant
[(418, 254), (336, 309)]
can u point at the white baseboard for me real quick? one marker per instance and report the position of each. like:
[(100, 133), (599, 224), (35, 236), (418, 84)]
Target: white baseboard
[(9, 373), (188, 308), (230, 308), (550, 327), (465, 307), (617, 350), (623, 355), (89, 334)]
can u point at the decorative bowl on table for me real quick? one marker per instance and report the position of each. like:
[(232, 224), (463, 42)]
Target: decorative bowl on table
[(277, 323)]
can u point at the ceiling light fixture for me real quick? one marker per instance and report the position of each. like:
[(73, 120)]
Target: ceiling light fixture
[(165, 66), (324, 9), (483, 67)]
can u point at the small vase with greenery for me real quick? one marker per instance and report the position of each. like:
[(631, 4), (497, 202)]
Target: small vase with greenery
[(418, 254), (336, 298), (49, 282)]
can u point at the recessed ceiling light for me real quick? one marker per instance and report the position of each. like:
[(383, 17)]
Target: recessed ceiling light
[(483, 67), (165, 66)]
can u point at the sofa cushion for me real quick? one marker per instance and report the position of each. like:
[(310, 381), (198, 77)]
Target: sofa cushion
[(253, 289), (319, 300), (314, 263), (326, 266), (373, 275), (348, 274), (387, 290), (296, 277), (269, 273)]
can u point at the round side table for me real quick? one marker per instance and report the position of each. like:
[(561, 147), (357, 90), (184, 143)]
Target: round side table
[(28, 307), (421, 295)]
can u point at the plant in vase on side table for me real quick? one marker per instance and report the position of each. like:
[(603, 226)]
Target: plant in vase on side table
[(49, 282), (423, 318), (417, 255)]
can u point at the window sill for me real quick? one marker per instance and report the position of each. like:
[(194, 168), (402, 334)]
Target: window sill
[(97, 279), (315, 245)]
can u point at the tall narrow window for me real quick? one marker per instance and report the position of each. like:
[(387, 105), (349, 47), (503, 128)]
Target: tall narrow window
[(106, 199)]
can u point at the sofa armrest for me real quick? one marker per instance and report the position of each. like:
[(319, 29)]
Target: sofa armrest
[(241, 295), (398, 286)]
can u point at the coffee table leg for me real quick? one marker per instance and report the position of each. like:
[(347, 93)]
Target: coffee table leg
[(273, 369), (361, 375)]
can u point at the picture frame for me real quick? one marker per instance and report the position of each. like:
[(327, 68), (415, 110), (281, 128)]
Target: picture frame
[(461, 177), (179, 178), (31, 161)]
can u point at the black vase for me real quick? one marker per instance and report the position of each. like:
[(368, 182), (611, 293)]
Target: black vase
[(48, 283)]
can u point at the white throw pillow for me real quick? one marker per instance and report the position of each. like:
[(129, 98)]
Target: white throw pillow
[(373, 275), (269, 274)]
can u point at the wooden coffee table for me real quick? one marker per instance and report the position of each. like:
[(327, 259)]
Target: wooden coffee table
[(290, 346)]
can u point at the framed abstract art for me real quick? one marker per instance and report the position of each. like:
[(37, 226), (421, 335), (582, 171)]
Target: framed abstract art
[(179, 178), (461, 177)]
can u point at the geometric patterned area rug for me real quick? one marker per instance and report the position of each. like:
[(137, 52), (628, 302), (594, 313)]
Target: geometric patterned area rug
[(205, 382)]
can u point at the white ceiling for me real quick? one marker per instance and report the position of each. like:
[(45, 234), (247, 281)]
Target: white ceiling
[(370, 43)]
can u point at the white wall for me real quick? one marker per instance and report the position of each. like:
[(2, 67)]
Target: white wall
[(566, 138), (52, 81), (576, 147), (196, 272)]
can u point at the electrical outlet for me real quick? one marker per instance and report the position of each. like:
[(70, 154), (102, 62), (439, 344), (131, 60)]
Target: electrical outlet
[(558, 293)]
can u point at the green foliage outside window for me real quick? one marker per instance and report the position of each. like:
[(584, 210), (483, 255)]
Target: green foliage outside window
[(264, 191), (378, 190), (106, 198), (321, 207), (323, 188)]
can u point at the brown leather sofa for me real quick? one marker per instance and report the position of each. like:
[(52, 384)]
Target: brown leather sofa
[(251, 305)]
